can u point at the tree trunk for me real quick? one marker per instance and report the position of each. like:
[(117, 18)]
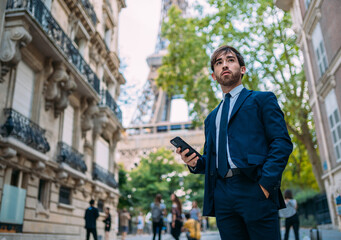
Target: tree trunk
[(315, 160)]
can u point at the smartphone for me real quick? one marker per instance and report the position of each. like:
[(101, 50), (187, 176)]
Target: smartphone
[(178, 142)]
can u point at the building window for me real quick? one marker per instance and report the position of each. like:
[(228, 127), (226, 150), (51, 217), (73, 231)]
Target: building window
[(319, 49), (65, 195), (333, 115), (68, 125), (23, 90), (43, 193), (15, 178), (107, 37), (102, 153), (100, 205), (307, 3)]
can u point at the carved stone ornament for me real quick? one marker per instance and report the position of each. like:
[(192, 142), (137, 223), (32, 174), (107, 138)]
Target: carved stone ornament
[(58, 87), (8, 152), (13, 39), (88, 116), (40, 166), (100, 123)]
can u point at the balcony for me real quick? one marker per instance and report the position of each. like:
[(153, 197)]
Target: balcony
[(103, 175), (23, 129), (71, 157), (107, 100), (38, 11), (89, 10)]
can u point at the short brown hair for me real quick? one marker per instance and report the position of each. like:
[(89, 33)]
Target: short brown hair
[(226, 49), (288, 194)]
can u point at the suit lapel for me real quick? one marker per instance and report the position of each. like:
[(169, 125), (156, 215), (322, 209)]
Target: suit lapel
[(242, 96), (213, 128)]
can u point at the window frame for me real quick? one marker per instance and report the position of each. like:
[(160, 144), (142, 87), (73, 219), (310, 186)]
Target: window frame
[(319, 50), (61, 198), (43, 193), (334, 123)]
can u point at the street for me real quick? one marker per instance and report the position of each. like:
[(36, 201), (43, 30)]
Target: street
[(327, 234)]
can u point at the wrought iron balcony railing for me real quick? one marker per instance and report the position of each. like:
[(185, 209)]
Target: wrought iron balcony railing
[(107, 100), (38, 10), (103, 175), (71, 156), (23, 129), (89, 10)]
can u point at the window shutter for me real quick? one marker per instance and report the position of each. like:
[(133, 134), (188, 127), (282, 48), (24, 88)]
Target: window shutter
[(102, 153), (68, 125), (23, 90)]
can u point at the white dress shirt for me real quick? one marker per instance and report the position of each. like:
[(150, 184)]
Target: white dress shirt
[(234, 96)]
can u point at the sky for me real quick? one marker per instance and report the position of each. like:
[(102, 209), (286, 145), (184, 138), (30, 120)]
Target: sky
[(138, 30)]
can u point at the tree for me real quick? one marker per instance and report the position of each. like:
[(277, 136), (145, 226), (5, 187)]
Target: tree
[(194, 188), (125, 190), (262, 33), (157, 173)]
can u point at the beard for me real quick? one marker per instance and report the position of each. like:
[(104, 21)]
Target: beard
[(229, 80)]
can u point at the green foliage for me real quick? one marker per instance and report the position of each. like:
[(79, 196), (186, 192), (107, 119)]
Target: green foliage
[(262, 33), (194, 188), (298, 173), (157, 173), (125, 191)]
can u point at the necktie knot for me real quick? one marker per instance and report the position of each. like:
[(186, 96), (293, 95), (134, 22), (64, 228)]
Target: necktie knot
[(227, 95)]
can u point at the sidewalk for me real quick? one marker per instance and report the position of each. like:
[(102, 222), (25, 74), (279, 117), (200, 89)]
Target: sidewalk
[(327, 234)]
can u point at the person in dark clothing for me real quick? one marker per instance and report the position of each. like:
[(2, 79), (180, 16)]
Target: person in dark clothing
[(107, 222), (176, 217), (91, 214), (290, 215), (157, 210)]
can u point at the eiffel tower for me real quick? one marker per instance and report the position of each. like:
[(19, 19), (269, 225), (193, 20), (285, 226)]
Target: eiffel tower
[(151, 127)]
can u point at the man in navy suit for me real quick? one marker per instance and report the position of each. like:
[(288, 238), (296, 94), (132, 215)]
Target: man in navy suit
[(247, 147), (91, 215)]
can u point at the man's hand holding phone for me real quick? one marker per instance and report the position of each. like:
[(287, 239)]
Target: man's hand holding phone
[(187, 153), (191, 160)]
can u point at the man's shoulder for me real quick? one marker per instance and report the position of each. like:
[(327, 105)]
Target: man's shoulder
[(261, 93)]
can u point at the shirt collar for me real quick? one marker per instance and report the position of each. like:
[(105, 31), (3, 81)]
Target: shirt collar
[(235, 91)]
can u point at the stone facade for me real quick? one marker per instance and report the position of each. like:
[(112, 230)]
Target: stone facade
[(59, 121), (316, 23)]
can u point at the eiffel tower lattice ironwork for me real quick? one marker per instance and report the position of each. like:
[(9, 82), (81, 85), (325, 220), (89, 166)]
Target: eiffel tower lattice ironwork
[(150, 127)]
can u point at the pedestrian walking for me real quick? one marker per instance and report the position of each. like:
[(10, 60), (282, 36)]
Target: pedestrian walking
[(290, 215), (91, 215), (246, 149), (157, 210), (176, 217), (195, 211), (124, 222), (192, 226), (107, 223), (140, 223)]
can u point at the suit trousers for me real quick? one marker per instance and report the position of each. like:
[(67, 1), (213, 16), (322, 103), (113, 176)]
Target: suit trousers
[(242, 210), (93, 231)]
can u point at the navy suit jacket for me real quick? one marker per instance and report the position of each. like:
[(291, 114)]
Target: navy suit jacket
[(259, 145)]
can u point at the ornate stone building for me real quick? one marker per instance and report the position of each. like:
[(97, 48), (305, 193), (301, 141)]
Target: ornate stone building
[(59, 121), (317, 24)]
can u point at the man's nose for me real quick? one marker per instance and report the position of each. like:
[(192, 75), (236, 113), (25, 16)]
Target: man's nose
[(225, 65)]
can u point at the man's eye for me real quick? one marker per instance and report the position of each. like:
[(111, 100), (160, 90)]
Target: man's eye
[(217, 63), (231, 60)]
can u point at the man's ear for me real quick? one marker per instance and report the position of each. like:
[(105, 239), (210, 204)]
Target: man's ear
[(213, 76), (243, 70)]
